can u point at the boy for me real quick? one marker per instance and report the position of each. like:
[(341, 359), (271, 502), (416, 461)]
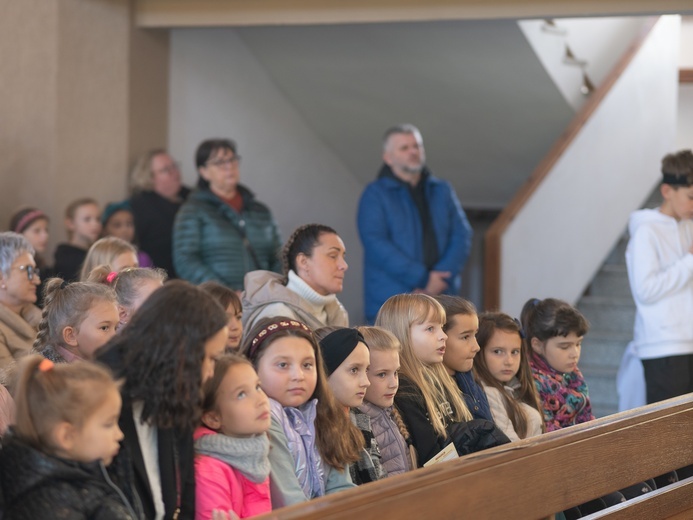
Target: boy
[(659, 258)]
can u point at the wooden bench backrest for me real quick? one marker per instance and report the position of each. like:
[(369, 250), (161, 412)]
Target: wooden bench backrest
[(537, 477)]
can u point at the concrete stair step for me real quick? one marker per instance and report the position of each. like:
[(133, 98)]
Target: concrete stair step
[(601, 382), (604, 348), (608, 313), (618, 253), (611, 280)]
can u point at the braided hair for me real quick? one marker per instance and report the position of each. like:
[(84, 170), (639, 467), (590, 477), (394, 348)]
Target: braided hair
[(302, 241)]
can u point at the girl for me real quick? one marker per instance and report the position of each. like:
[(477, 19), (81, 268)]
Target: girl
[(503, 367), (232, 448), (394, 441), (132, 286), (347, 358), (118, 221), (461, 349), (52, 464), (77, 319), (428, 397), (230, 301), (553, 332), (314, 265), (83, 229), (163, 356), (111, 251), (311, 438)]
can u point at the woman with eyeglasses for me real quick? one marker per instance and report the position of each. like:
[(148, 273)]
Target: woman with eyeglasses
[(222, 231), (157, 195), (19, 280)]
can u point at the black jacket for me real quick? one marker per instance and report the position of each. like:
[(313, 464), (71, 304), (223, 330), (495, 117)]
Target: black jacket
[(35, 485)]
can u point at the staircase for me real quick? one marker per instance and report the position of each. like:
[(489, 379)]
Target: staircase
[(610, 309)]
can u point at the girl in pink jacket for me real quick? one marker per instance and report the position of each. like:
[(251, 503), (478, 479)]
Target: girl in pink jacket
[(231, 447)]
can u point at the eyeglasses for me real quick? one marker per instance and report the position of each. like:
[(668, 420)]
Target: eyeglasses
[(30, 271), (231, 161), (171, 168)]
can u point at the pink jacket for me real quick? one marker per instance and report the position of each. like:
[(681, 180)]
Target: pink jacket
[(221, 486)]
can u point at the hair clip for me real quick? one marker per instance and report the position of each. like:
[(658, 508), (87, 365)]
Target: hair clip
[(521, 331), (64, 284), (111, 276), (45, 365)]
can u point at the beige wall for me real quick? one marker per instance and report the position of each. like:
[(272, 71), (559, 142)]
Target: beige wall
[(81, 94)]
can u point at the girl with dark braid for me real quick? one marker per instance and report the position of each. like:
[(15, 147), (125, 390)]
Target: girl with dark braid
[(314, 266)]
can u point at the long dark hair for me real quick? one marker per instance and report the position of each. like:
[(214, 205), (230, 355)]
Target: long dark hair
[(162, 350)]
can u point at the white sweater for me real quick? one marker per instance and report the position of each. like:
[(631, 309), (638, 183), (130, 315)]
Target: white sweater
[(660, 271), (502, 419)]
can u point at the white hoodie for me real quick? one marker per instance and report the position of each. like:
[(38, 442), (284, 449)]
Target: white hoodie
[(660, 270)]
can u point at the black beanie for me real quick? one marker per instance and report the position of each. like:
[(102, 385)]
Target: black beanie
[(337, 346)]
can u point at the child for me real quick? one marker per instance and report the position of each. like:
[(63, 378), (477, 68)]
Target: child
[(232, 448), (163, 356), (52, 463), (312, 440), (396, 450), (347, 359), (461, 347), (118, 221), (660, 270), (229, 300), (83, 229), (77, 319), (113, 252), (503, 367), (553, 331), (132, 286), (428, 397)]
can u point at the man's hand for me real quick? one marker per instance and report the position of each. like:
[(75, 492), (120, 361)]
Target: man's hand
[(437, 282)]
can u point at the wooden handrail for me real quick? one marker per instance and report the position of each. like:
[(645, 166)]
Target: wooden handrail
[(492, 248), (685, 75), (536, 477)]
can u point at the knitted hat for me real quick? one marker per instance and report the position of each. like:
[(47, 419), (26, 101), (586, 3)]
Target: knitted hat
[(113, 208), (337, 346)]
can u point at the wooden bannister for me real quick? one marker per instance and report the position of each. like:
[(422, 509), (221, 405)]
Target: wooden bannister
[(494, 235), (537, 477)]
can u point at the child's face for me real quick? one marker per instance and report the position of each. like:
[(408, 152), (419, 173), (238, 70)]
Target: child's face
[(214, 347), (288, 371), (144, 290), (561, 353), (349, 381), (384, 377), (428, 340), (461, 345), (121, 225), (95, 331), (37, 234), (235, 327), (85, 225), (503, 354), (124, 260), (99, 436), (678, 203), (243, 409)]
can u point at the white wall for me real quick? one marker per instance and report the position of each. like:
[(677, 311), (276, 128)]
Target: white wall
[(559, 240), (684, 136), (218, 89), (599, 41), (686, 56)]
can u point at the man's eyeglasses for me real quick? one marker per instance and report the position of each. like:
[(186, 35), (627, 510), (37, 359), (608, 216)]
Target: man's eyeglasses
[(30, 271), (231, 161)]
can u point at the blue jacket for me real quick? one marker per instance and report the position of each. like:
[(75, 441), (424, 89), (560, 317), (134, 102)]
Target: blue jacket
[(391, 232), (474, 395)]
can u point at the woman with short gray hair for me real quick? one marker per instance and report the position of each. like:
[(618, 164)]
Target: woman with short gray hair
[(19, 279)]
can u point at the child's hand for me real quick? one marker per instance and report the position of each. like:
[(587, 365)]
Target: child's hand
[(224, 515)]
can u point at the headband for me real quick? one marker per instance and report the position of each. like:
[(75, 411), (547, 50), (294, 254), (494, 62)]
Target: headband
[(674, 179), (273, 328), (28, 219), (337, 346)]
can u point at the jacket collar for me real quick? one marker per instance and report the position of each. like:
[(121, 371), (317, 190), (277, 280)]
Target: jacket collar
[(387, 173)]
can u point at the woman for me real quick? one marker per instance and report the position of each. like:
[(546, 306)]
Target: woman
[(157, 194), (162, 357), (33, 224), (19, 316), (222, 232), (314, 267)]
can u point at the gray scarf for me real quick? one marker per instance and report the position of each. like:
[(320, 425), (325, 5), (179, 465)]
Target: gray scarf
[(249, 455)]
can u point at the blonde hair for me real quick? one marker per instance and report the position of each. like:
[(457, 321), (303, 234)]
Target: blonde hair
[(141, 177), (380, 339), (127, 282), (397, 315), (103, 252), (60, 393)]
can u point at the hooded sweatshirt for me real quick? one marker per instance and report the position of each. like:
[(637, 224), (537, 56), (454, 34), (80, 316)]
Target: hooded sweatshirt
[(660, 271)]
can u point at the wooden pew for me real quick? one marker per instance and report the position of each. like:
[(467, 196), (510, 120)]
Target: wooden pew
[(537, 477)]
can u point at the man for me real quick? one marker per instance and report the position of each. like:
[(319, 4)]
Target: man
[(415, 235)]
